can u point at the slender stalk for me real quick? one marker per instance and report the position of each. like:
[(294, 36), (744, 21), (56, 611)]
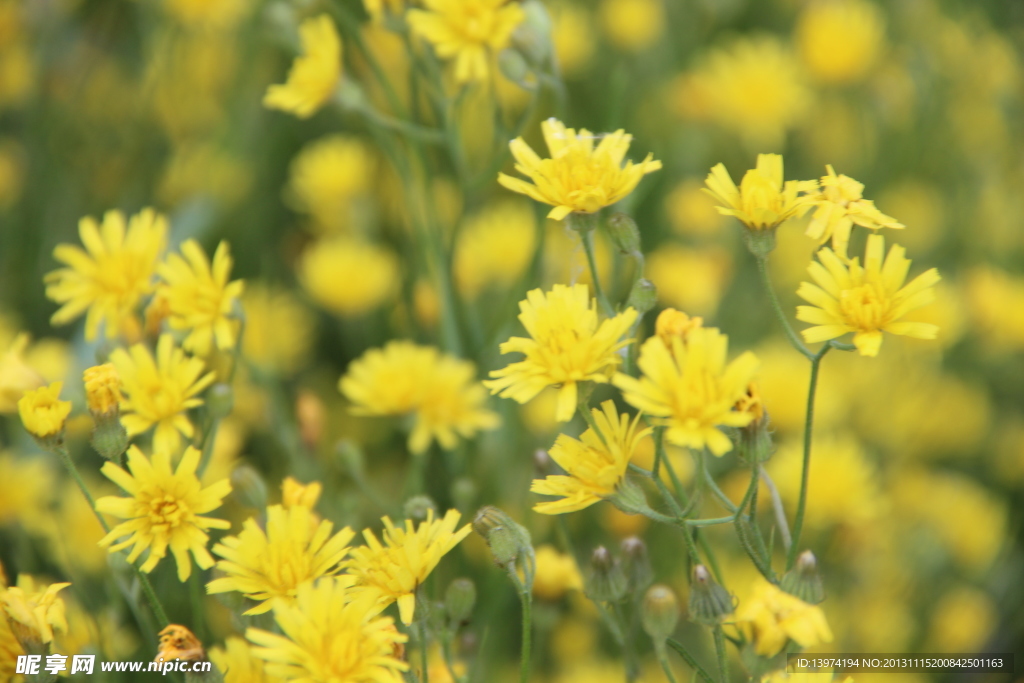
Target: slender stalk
[(526, 599), (723, 664), (794, 338), (662, 654), (724, 499), (688, 658), (588, 246), (424, 655), (780, 512)]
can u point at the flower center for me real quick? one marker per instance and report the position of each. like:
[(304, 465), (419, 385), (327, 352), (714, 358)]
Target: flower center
[(865, 307), (167, 513)]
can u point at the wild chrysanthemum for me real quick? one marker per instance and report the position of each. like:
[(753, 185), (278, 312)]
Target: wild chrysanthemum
[(579, 176), (163, 509), (866, 300), (158, 393), (441, 391), (314, 75), (471, 32), (199, 297), (329, 635), (294, 550), (33, 612), (108, 279), (566, 346), (595, 463), (770, 617), (392, 571), (838, 206), (42, 412), (688, 387), (764, 200)]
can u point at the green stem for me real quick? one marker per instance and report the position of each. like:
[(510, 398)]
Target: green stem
[(688, 658), (662, 653), (424, 655), (584, 225), (801, 507), (724, 499), (794, 338), (723, 664), (526, 599)]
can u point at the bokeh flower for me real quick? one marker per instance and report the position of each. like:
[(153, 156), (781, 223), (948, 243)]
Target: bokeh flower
[(770, 617), (159, 391), (272, 564), (314, 74), (866, 300), (33, 612), (164, 509), (763, 200), (838, 206), (567, 345), (688, 387), (279, 329), (632, 25), (348, 276), (16, 375), (108, 279), (494, 247), (199, 297), (392, 571), (594, 464), (471, 32), (579, 176), (326, 178), (840, 40), (42, 412)]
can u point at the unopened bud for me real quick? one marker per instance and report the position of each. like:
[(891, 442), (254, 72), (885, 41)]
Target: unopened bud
[(109, 437), (417, 507), (636, 564), (513, 65), (710, 603), (672, 323), (541, 460), (249, 487), (506, 539), (754, 442), (311, 415), (803, 580), (606, 582), (220, 400), (624, 233), (459, 600), (643, 296), (102, 390), (533, 35), (660, 612), (760, 242), (630, 498)]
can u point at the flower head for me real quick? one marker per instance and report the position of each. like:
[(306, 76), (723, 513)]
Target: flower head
[(270, 564), (159, 392), (494, 247), (348, 276), (32, 612), (838, 206), (471, 32), (866, 300), (199, 297), (763, 201), (42, 412), (296, 494), (595, 463), (107, 279), (163, 509), (839, 41), (578, 176), (688, 387), (393, 570), (770, 617), (566, 346), (314, 75), (329, 634), (326, 176), (102, 389), (672, 323)]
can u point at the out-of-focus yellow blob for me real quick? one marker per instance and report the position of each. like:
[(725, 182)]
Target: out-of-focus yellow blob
[(691, 211), (840, 40), (690, 279), (962, 621), (632, 25), (348, 276)]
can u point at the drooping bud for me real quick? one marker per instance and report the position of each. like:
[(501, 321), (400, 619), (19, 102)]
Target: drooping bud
[(754, 443), (220, 400), (803, 580), (417, 507), (533, 35), (249, 487), (710, 603), (643, 296), (636, 564), (513, 65), (506, 539), (459, 600), (624, 233), (660, 612), (605, 582)]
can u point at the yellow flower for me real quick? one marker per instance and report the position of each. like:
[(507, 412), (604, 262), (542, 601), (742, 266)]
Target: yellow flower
[(239, 664), (199, 297), (163, 509), (392, 571), (378, 9), (102, 389), (839, 41), (294, 550), (865, 300), (687, 387), (471, 32), (672, 323), (763, 201), (494, 247), (109, 278), (573, 35), (279, 329), (33, 612), (296, 494), (314, 75), (838, 206), (556, 574), (326, 177), (566, 346), (329, 635), (578, 177), (691, 278), (595, 463), (158, 393), (348, 276), (632, 25), (42, 412), (440, 390), (27, 487), (16, 375), (770, 617)]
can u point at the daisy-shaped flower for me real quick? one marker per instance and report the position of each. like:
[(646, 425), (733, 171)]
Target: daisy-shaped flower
[(763, 200), (839, 205)]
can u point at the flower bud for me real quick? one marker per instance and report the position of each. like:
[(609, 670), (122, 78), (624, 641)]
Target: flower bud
[(459, 600), (43, 414), (249, 487), (630, 498), (220, 400), (754, 442), (533, 35), (513, 65), (672, 323), (418, 507), (102, 390), (803, 580), (710, 603), (506, 539), (760, 242), (606, 582), (643, 296), (109, 438), (624, 233), (636, 564), (660, 612)]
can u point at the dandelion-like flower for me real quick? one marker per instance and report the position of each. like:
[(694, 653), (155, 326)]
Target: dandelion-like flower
[(866, 300), (567, 345), (688, 387), (159, 392), (42, 412), (33, 612), (108, 279), (471, 32), (331, 635), (294, 550), (200, 298), (102, 389), (163, 510), (578, 177), (770, 617), (314, 75), (392, 571), (595, 463), (838, 206), (441, 391), (764, 200)]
